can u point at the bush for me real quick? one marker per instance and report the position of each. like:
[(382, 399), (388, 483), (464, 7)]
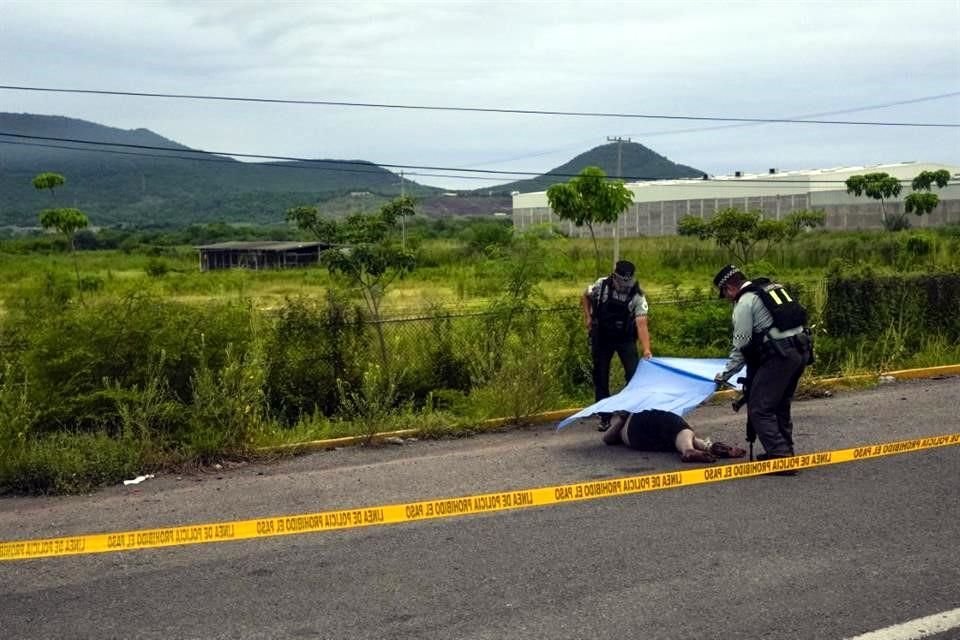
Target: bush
[(867, 305), (487, 236), (75, 360), (875, 322), (156, 268), (308, 348), (227, 406), (67, 462)]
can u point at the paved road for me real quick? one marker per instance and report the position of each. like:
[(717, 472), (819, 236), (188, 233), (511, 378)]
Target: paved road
[(832, 553)]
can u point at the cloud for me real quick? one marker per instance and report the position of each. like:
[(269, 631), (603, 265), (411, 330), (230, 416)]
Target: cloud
[(697, 58)]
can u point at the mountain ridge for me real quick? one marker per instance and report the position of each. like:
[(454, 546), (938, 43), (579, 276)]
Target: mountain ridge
[(131, 186)]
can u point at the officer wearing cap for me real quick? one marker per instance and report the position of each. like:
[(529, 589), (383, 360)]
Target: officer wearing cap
[(769, 337), (615, 314)]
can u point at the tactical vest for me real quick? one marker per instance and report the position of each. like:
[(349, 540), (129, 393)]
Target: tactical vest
[(612, 317), (786, 312)]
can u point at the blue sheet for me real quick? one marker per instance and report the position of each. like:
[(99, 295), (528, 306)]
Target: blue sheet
[(671, 384)]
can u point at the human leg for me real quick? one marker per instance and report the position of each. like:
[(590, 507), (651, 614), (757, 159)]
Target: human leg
[(602, 354), (771, 381), (690, 447), (614, 434), (629, 358), (784, 419), (686, 444)]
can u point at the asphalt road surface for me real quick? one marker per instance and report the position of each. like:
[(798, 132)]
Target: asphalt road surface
[(834, 552)]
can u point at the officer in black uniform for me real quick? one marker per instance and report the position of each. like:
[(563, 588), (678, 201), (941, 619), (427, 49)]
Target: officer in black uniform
[(769, 336), (615, 313)]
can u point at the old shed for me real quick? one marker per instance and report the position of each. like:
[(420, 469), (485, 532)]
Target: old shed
[(259, 255)]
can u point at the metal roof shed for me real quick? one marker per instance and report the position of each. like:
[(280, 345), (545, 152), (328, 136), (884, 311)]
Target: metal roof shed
[(259, 255)]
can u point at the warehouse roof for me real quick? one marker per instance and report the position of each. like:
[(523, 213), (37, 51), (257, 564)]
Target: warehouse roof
[(271, 245)]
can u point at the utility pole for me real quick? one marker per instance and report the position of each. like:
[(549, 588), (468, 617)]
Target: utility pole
[(403, 223), (616, 223)]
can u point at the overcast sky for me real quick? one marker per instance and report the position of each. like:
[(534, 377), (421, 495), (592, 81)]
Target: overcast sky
[(727, 59)]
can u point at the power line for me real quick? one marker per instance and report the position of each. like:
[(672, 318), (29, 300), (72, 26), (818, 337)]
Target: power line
[(578, 145), (886, 105), (539, 112), (234, 163), (223, 156)]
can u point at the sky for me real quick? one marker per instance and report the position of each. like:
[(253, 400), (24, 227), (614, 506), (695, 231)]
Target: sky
[(706, 59)]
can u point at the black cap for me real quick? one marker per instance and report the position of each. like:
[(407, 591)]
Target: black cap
[(624, 268), (723, 275)]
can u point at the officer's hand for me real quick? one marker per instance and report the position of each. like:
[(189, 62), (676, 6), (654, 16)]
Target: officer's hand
[(647, 355)]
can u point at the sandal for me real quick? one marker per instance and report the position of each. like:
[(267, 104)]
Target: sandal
[(723, 450), (695, 455)]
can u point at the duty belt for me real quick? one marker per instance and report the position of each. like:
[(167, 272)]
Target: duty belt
[(778, 346)]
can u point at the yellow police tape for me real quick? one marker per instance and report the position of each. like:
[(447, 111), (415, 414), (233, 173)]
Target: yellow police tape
[(446, 507)]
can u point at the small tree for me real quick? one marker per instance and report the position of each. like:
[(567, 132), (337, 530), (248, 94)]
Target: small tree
[(922, 200), (400, 208), (879, 186), (746, 235), (309, 219), (589, 199), (65, 220), (370, 259), (48, 180)]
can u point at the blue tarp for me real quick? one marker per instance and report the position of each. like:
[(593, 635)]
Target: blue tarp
[(670, 384)]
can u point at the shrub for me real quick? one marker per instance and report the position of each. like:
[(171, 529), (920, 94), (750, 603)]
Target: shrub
[(309, 346), (68, 462), (864, 305), (75, 360), (227, 405), (156, 268)]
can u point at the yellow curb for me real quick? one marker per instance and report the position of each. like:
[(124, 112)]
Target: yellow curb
[(927, 372), (346, 441), (560, 414), (380, 436)]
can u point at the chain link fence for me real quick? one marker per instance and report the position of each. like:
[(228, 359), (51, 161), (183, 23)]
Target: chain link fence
[(510, 360)]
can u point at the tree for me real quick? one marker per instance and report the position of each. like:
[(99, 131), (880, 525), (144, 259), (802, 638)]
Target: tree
[(369, 258), (48, 180), (922, 200), (746, 235), (65, 220), (402, 208), (589, 199), (309, 219), (879, 186)]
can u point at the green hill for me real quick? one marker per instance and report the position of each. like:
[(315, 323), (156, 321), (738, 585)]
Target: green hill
[(639, 163), (143, 186)]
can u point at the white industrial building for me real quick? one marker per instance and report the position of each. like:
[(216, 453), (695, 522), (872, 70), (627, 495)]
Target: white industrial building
[(658, 205)]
